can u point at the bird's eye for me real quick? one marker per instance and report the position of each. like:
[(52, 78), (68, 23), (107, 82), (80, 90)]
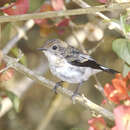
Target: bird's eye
[(54, 47)]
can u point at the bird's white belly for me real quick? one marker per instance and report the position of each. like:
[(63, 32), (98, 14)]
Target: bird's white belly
[(71, 74)]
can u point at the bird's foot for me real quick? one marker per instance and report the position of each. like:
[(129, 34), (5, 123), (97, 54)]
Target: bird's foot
[(56, 86), (76, 93)]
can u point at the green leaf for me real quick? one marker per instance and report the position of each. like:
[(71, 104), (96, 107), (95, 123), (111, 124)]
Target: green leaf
[(6, 32), (23, 59), (122, 49), (126, 69), (125, 26), (15, 100), (0, 103)]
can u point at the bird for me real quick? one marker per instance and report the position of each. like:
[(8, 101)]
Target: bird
[(70, 64)]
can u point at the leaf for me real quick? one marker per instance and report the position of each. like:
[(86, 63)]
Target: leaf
[(125, 26), (45, 31), (122, 49), (126, 69), (62, 25), (6, 30), (19, 7), (5, 2), (14, 98), (1, 57), (0, 102), (23, 59)]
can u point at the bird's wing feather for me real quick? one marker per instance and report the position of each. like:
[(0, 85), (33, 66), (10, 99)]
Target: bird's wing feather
[(87, 61)]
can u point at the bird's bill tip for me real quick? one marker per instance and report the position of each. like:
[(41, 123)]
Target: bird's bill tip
[(41, 49)]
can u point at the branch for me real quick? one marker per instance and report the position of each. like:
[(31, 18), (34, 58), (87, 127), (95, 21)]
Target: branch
[(52, 109), (42, 80), (83, 4), (20, 34), (20, 88), (50, 14)]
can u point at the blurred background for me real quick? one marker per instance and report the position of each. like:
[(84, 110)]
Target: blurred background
[(41, 108)]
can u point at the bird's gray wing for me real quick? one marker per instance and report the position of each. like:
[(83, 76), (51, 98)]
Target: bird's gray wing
[(83, 60)]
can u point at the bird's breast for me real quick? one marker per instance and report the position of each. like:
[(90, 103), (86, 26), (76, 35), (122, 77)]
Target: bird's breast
[(68, 72)]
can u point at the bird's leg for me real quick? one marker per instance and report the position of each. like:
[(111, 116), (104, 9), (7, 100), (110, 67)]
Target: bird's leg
[(75, 93), (57, 85)]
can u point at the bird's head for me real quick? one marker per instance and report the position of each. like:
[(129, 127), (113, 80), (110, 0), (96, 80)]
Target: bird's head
[(54, 48)]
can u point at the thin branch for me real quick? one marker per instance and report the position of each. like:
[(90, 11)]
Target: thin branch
[(99, 87), (50, 14), (83, 4), (50, 113), (20, 88), (21, 33), (55, 104), (42, 80), (4, 69), (71, 25)]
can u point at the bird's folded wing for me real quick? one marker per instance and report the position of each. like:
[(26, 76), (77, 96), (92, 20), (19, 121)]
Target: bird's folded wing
[(89, 62)]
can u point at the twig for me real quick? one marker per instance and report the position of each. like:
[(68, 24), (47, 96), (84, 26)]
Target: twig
[(20, 89), (55, 104), (21, 33), (94, 48), (42, 80), (98, 86), (4, 69), (101, 15), (50, 113), (50, 14), (9, 64), (71, 25)]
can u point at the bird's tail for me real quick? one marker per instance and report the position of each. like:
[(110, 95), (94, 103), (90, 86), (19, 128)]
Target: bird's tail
[(108, 70)]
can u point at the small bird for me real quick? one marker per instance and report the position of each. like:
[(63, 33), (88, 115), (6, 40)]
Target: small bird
[(70, 64)]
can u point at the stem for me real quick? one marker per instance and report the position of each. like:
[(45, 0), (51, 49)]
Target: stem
[(50, 14)]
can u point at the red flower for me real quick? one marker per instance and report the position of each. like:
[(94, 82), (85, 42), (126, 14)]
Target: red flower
[(57, 4), (118, 91), (122, 118), (97, 124)]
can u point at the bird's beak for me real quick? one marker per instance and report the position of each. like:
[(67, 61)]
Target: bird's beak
[(41, 49)]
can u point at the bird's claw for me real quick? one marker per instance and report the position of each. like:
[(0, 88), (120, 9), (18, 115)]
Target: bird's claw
[(56, 86)]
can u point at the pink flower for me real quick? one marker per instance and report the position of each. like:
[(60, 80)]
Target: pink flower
[(122, 118), (97, 123)]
